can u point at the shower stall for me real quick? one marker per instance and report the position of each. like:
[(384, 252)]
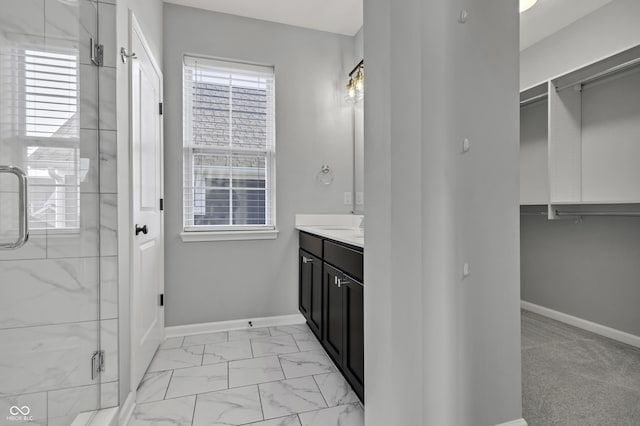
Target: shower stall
[(58, 248)]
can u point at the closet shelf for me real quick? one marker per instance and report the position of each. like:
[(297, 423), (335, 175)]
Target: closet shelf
[(617, 63)]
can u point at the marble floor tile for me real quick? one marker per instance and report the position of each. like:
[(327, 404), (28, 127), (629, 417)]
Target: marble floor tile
[(343, 415), (306, 364), (253, 371), (250, 333), (227, 351), (307, 342), (290, 397), (194, 380), (170, 412), (228, 407), (289, 329), (169, 359), (282, 421), (335, 389), (153, 387), (273, 346), (172, 343), (205, 339)]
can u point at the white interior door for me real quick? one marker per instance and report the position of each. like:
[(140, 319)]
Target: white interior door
[(147, 268)]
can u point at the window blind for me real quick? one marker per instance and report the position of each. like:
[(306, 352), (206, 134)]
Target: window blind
[(229, 145), (40, 97)]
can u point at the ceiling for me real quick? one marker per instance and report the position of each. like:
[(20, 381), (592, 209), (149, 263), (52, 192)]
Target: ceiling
[(345, 16), (336, 16), (549, 16)]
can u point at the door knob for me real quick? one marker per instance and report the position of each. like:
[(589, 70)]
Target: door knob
[(141, 229)]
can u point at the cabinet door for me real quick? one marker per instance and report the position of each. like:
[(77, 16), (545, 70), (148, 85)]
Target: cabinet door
[(310, 293), (315, 317), (333, 333), (353, 359), (305, 283)]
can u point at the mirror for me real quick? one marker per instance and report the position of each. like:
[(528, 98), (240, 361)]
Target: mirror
[(358, 157), (358, 137)]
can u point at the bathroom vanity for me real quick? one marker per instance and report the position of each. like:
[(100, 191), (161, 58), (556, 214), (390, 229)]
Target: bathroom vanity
[(331, 292)]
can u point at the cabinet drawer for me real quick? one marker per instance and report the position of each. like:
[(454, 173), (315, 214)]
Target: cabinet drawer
[(311, 243), (344, 258)]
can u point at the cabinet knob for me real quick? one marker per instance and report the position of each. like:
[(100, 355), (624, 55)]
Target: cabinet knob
[(306, 259)]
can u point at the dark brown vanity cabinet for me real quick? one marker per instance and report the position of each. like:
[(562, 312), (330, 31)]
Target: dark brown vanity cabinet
[(332, 300)]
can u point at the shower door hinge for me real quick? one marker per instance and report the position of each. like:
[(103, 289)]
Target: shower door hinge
[(97, 364), (96, 52)]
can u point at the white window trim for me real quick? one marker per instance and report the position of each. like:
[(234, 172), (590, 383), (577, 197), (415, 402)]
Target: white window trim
[(232, 233), (239, 235)]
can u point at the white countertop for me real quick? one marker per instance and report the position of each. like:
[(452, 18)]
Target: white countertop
[(342, 228)]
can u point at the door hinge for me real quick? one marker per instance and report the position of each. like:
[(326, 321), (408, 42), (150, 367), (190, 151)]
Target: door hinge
[(161, 204), (96, 52), (160, 108), (97, 364), (162, 299)]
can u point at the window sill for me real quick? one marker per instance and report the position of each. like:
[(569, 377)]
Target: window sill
[(204, 236)]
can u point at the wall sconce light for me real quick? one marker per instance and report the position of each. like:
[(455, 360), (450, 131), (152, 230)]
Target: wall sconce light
[(355, 87)]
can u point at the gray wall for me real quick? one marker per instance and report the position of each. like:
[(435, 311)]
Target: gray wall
[(609, 29), (149, 16), (216, 281), (588, 270), (453, 342)]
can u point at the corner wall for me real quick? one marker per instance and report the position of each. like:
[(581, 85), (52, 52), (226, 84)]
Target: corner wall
[(227, 280), (453, 341)]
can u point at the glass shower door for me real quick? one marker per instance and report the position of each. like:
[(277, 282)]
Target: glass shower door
[(50, 330)]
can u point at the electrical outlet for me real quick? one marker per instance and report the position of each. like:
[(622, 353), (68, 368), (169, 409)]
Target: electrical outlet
[(348, 200), (360, 198)]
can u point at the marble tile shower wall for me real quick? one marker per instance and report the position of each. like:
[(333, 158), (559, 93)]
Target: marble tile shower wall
[(60, 291)]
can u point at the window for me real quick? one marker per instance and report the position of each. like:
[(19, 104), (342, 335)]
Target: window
[(229, 149), (41, 102)]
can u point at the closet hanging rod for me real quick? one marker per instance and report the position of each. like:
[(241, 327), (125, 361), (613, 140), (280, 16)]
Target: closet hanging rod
[(602, 213), (601, 74), (534, 213), (533, 99)]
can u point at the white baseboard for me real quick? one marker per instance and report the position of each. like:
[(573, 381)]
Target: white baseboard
[(593, 327), (214, 327), (126, 410), (519, 422)]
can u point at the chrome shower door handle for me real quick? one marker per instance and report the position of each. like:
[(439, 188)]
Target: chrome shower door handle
[(23, 222)]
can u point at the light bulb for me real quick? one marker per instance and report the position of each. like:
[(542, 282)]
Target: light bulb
[(351, 89), (527, 4), (359, 81)]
